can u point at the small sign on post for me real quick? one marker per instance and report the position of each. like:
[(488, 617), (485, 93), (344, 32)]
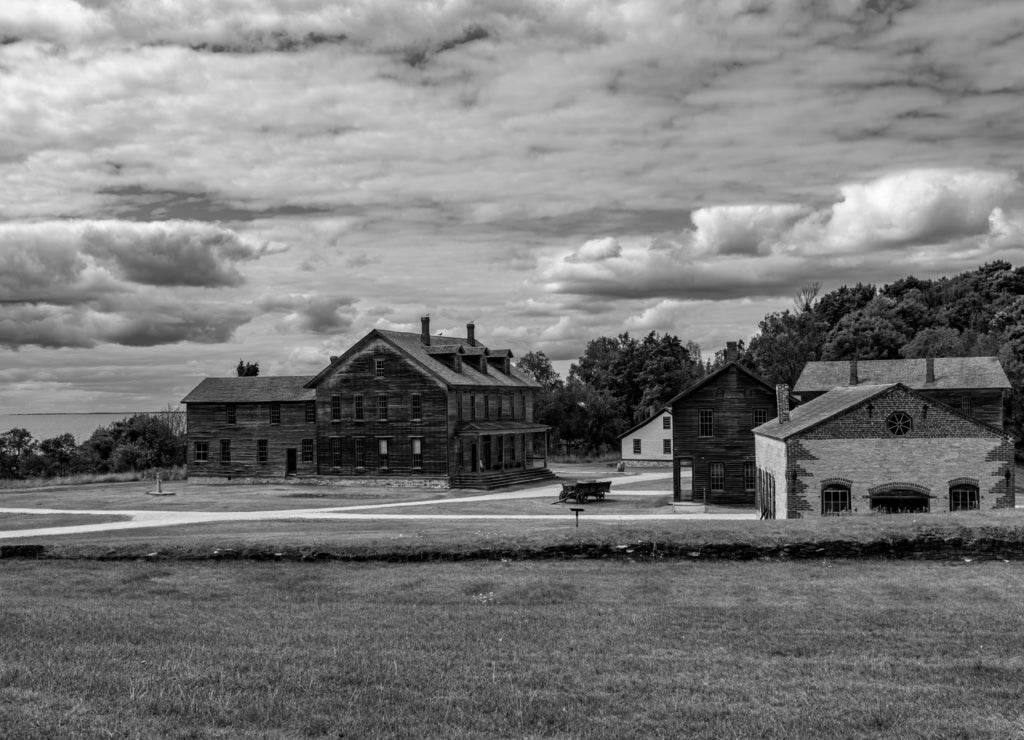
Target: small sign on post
[(577, 513)]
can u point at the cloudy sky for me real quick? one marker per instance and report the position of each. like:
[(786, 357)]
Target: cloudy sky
[(184, 183)]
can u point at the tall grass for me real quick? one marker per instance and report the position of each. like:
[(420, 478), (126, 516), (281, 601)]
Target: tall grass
[(177, 472)]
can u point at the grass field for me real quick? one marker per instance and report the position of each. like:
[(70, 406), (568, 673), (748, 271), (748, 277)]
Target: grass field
[(581, 649), (36, 521)]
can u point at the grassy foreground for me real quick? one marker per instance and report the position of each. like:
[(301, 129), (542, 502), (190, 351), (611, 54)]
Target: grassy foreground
[(584, 649)]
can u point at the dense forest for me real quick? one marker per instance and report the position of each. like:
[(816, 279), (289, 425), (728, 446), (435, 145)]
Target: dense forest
[(620, 381)]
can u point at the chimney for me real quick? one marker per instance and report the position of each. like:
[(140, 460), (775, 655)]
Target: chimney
[(853, 372), (929, 373), (782, 401), (471, 334), (425, 330), (334, 358), (731, 353)]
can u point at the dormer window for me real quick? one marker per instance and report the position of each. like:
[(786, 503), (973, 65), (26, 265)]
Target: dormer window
[(483, 365), (457, 363), (506, 366)]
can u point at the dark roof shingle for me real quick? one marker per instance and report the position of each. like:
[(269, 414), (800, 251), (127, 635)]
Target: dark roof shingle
[(249, 389), (950, 373)]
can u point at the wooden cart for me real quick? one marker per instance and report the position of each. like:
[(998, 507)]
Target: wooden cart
[(582, 490)]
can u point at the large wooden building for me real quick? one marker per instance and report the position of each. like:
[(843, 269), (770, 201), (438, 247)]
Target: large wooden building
[(974, 385), (712, 422), (397, 408)]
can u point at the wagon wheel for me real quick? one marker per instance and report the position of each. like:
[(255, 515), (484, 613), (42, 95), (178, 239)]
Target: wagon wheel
[(564, 495)]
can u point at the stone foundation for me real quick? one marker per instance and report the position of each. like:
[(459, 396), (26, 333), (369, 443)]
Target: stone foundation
[(648, 463), (361, 481)]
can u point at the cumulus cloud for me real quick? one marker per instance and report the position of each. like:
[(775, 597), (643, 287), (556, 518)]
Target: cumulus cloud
[(83, 283), (929, 221), (317, 314)]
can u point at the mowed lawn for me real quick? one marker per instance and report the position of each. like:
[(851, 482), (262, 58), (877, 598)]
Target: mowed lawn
[(566, 649)]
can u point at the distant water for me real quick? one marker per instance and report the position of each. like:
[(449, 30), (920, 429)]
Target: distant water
[(45, 426)]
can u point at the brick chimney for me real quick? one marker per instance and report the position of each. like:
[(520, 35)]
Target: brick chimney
[(853, 372), (929, 373), (425, 330), (471, 334), (782, 401), (731, 353)]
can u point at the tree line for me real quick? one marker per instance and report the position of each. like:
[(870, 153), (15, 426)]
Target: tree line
[(140, 442), (620, 381)]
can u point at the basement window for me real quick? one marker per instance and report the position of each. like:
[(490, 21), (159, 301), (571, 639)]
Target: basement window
[(964, 498), (835, 499)]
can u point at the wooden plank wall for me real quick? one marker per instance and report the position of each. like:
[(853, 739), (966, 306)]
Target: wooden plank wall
[(208, 422), (733, 441)]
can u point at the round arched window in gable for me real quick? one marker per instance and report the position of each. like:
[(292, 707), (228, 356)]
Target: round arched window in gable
[(899, 423)]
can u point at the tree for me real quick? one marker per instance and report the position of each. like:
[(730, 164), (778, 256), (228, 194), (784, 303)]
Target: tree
[(785, 343), (874, 332), (538, 366), (16, 445), (247, 369)]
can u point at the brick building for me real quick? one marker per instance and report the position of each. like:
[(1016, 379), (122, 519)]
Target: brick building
[(397, 408), (884, 447)]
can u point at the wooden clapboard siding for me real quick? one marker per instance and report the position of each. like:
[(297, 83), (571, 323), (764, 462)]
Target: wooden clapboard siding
[(402, 378), (733, 441), (207, 422)]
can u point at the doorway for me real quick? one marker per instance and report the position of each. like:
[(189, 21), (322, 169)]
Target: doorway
[(291, 461)]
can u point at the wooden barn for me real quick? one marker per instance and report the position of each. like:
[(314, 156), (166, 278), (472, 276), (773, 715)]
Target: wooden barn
[(712, 422), (397, 408)]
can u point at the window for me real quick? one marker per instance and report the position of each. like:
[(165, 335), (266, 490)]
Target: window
[(335, 452), (202, 451), (261, 451), (459, 400), (307, 450), (335, 408), (310, 412), (275, 413), (666, 446), (899, 423), (965, 404), (417, 406), (719, 393), (360, 453), (487, 407), (964, 498), (705, 422), (717, 473), (636, 446), (835, 499), (357, 408), (417, 452), (749, 476), (759, 416), (382, 406), (382, 454), (666, 422), (378, 368), (225, 450), (231, 414), (472, 407)]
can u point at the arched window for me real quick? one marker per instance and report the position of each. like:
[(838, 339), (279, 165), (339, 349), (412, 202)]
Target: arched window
[(835, 499), (900, 498), (964, 497)]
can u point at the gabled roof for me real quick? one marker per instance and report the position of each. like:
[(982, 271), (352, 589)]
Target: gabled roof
[(657, 415), (711, 376), (248, 389), (950, 373), (428, 357), (840, 400), (821, 409)]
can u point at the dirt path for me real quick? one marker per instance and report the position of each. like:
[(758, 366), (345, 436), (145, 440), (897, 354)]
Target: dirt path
[(141, 519)]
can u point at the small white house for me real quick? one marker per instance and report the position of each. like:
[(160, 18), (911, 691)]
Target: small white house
[(649, 443)]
